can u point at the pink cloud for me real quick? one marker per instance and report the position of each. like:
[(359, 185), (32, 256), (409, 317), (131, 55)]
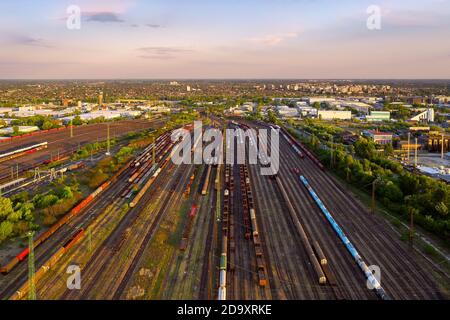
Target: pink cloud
[(273, 39)]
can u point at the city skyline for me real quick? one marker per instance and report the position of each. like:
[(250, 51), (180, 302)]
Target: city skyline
[(204, 40)]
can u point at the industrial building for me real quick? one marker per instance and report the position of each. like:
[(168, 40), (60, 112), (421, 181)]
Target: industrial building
[(426, 115), (287, 112), (376, 116), (334, 114), (435, 140), (379, 137), (22, 129)]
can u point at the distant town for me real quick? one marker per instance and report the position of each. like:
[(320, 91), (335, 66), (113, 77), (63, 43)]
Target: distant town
[(411, 117)]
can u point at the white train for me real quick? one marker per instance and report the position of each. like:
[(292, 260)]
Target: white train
[(18, 152)]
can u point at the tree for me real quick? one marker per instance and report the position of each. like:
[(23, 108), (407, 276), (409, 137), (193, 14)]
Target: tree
[(77, 121), (388, 149), (6, 208), (6, 229), (16, 130), (442, 209)]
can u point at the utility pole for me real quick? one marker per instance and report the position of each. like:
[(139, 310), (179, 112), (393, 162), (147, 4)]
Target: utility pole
[(108, 144), (17, 170), (411, 226), (415, 154), (31, 279), (373, 196), (71, 128), (409, 141), (154, 151), (90, 239), (331, 154), (12, 172), (442, 147)]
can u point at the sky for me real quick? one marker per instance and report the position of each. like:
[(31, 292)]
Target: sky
[(167, 39)]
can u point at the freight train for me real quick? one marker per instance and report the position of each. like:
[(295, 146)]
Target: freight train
[(301, 148), (44, 236), (19, 294), (370, 277)]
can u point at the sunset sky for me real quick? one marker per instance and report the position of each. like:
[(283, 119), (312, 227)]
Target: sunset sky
[(224, 39)]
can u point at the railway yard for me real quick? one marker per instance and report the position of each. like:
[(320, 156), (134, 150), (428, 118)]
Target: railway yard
[(61, 143), (157, 230)]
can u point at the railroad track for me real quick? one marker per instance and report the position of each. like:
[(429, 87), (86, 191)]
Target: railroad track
[(205, 292), (19, 275), (112, 246), (175, 190), (61, 142), (368, 234), (372, 233)]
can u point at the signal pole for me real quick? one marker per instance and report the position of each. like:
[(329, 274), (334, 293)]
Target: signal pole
[(31, 279)]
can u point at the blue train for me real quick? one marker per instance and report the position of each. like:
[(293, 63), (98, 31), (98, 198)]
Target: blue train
[(370, 277)]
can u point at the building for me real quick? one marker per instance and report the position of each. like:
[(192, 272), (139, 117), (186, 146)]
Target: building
[(379, 116), (424, 116), (100, 99), (22, 129), (435, 139), (287, 112), (378, 137), (416, 100), (334, 114), (307, 111), (318, 99), (108, 115)]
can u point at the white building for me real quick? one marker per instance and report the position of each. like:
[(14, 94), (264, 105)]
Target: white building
[(307, 111), (334, 114), (312, 100), (287, 112), (22, 129), (426, 116), (108, 115)]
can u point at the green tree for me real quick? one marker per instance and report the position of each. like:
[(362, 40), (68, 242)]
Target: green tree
[(16, 130)]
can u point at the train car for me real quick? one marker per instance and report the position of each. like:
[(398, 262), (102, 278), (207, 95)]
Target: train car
[(351, 249), (206, 181), (193, 211), (222, 293), (254, 223), (47, 234), (19, 294), (22, 151), (76, 166)]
